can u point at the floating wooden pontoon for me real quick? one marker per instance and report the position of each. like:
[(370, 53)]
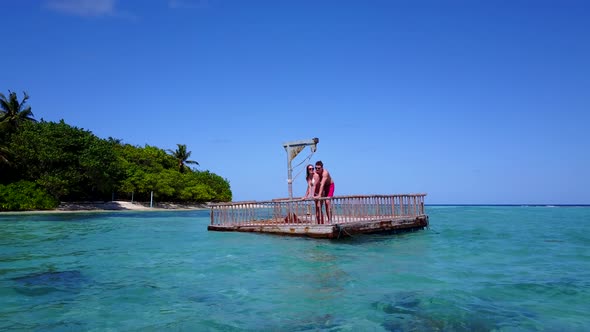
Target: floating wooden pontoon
[(351, 215)]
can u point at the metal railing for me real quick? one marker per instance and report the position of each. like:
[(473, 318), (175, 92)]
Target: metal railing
[(345, 209)]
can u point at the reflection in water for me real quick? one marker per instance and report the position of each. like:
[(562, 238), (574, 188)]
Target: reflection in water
[(325, 277)]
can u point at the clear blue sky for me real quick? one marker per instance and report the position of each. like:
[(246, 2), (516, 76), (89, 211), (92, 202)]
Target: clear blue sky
[(469, 101)]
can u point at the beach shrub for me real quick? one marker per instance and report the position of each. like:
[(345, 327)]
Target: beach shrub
[(149, 159), (197, 193), (25, 195), (218, 185), (69, 162), (168, 184), (148, 169)]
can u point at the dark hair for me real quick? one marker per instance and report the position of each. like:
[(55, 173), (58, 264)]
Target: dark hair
[(307, 171), (319, 162)]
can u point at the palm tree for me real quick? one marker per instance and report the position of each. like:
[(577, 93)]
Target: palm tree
[(181, 155), (13, 112), (4, 155)]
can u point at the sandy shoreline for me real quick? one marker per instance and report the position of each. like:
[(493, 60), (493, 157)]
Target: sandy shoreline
[(113, 206)]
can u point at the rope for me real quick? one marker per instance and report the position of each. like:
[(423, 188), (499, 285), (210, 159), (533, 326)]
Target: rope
[(340, 229), (344, 229), (306, 158)]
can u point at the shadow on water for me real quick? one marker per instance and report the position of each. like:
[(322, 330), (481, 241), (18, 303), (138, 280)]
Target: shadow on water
[(415, 311), (43, 283), (319, 323), (362, 239), (210, 299)]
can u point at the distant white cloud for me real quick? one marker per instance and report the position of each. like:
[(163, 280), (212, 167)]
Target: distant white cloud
[(83, 7)]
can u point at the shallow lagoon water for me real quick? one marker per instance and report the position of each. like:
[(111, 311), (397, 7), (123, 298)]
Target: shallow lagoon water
[(477, 268)]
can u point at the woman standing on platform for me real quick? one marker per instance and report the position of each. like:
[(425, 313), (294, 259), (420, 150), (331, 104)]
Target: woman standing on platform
[(313, 181)]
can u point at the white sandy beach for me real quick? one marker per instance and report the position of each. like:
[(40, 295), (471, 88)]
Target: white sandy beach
[(114, 206)]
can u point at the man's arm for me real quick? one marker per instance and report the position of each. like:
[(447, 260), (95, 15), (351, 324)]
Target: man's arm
[(324, 179)]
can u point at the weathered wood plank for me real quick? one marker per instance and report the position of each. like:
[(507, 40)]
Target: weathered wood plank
[(330, 231)]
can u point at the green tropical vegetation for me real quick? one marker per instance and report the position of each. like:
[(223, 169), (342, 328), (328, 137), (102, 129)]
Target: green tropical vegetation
[(181, 154), (44, 163), (13, 113)]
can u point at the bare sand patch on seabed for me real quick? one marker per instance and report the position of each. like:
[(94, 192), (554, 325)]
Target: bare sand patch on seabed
[(67, 207)]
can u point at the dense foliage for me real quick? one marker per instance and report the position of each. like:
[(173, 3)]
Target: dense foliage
[(42, 163), (25, 195)]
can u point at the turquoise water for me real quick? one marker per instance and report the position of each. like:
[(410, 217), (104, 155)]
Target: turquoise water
[(475, 269)]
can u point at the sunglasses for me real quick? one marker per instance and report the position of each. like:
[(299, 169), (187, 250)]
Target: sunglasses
[(318, 167), (310, 169)]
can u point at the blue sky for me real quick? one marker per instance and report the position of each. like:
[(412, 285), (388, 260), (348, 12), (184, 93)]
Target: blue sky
[(469, 101)]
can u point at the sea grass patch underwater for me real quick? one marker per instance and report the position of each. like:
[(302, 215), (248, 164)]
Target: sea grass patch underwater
[(475, 269)]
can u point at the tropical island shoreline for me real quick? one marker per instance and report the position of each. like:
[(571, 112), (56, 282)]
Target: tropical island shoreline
[(110, 206)]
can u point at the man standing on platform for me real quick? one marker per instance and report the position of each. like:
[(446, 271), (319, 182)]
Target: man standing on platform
[(326, 190)]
